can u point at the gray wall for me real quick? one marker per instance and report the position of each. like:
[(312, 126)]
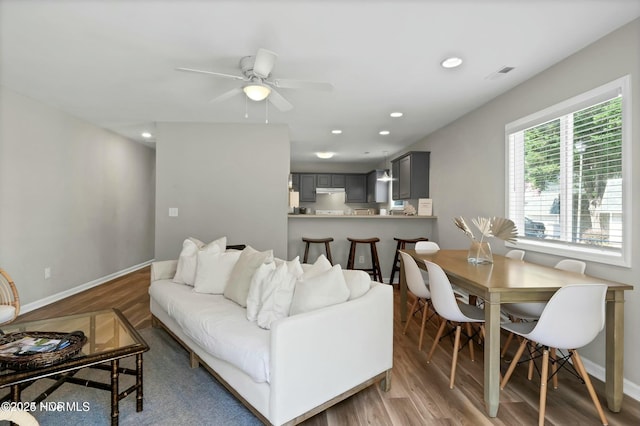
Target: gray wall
[(468, 166), (73, 197), (225, 179)]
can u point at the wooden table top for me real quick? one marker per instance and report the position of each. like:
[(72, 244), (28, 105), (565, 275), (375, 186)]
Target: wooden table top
[(505, 274)]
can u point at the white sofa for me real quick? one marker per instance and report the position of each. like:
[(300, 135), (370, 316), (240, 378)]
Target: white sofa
[(312, 360)]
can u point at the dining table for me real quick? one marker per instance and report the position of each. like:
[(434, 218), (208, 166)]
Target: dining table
[(513, 281)]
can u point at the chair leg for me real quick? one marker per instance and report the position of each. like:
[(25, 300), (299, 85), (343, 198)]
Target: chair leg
[(436, 340), (413, 310), (577, 361), (425, 314), (469, 333), (513, 364), (554, 367), (532, 349), (543, 385), (454, 360), (506, 345), (328, 250), (352, 256), (306, 253)]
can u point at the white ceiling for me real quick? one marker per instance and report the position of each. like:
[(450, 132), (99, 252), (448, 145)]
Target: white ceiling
[(113, 63)]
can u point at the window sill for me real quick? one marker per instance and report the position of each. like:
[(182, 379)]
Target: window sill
[(591, 253)]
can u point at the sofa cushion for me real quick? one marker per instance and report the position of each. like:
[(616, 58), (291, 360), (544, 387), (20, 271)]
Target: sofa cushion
[(276, 295), (321, 265), (188, 260), (218, 325), (255, 290), (214, 269), (315, 292), (240, 279), (186, 269), (358, 282)]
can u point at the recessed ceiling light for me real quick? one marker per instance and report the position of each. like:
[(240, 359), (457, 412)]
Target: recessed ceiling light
[(325, 155), (336, 131), (384, 132), (146, 135), (396, 114), (451, 62)]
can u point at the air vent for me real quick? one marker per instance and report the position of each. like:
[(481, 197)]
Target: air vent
[(500, 73)]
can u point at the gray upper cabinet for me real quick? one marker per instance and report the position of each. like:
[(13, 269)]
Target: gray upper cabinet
[(356, 188), (377, 191), (330, 180), (307, 187), (411, 175)]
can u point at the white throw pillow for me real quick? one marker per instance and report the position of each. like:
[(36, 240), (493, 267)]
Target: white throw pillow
[(255, 290), (321, 265), (293, 266), (240, 279), (276, 295), (214, 269), (358, 282), (325, 289), (187, 260)]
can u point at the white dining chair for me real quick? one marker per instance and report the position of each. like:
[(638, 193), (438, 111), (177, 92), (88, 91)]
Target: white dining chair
[(572, 318), (515, 254), (451, 312), (531, 311), (417, 286), (426, 247)]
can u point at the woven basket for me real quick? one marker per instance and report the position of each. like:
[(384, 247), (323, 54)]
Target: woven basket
[(28, 362)]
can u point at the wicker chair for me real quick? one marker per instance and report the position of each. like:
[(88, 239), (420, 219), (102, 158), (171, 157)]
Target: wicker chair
[(9, 299)]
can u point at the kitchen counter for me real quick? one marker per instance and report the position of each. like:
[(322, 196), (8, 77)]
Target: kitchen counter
[(341, 227), (370, 216)]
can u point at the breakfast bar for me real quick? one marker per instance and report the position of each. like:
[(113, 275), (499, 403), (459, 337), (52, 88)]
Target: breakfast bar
[(339, 227)]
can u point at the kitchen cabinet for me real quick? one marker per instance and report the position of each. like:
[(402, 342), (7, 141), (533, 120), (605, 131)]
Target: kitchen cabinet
[(330, 180), (395, 172), (377, 191), (355, 188), (307, 187), (295, 181), (411, 175)]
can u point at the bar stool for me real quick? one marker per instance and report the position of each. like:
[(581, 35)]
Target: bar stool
[(374, 271), (324, 241), (402, 244)]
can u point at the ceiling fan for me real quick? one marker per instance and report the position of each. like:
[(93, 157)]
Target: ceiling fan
[(258, 83)]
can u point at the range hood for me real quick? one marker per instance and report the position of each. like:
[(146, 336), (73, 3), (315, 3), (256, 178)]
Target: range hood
[(329, 190)]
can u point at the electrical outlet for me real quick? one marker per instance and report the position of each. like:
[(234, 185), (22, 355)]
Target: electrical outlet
[(361, 259), (47, 273)]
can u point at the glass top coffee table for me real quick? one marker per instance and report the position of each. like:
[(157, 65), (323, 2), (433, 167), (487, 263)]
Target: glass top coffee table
[(110, 337)]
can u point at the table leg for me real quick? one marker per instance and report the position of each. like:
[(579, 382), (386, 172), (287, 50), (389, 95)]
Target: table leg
[(115, 371), (492, 354), (403, 293), (139, 393), (615, 351), (15, 393)]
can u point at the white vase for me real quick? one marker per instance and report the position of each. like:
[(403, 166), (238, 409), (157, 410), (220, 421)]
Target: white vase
[(480, 253)]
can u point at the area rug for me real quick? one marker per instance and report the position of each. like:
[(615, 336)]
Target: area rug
[(174, 394)]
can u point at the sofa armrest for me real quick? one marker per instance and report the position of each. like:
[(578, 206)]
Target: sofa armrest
[(163, 270), (319, 355)]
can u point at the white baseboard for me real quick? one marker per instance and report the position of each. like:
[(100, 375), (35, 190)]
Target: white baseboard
[(82, 287), (628, 387)]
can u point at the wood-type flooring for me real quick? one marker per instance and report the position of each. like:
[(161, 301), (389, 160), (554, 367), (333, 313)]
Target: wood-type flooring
[(419, 394)]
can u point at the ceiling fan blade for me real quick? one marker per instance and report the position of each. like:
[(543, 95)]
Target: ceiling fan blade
[(285, 83), (279, 101), (219, 74), (263, 65), (227, 95)]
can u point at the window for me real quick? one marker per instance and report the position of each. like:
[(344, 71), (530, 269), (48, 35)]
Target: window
[(567, 191)]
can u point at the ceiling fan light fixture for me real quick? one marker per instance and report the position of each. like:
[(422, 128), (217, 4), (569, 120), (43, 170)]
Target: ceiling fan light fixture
[(325, 155), (256, 92)]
